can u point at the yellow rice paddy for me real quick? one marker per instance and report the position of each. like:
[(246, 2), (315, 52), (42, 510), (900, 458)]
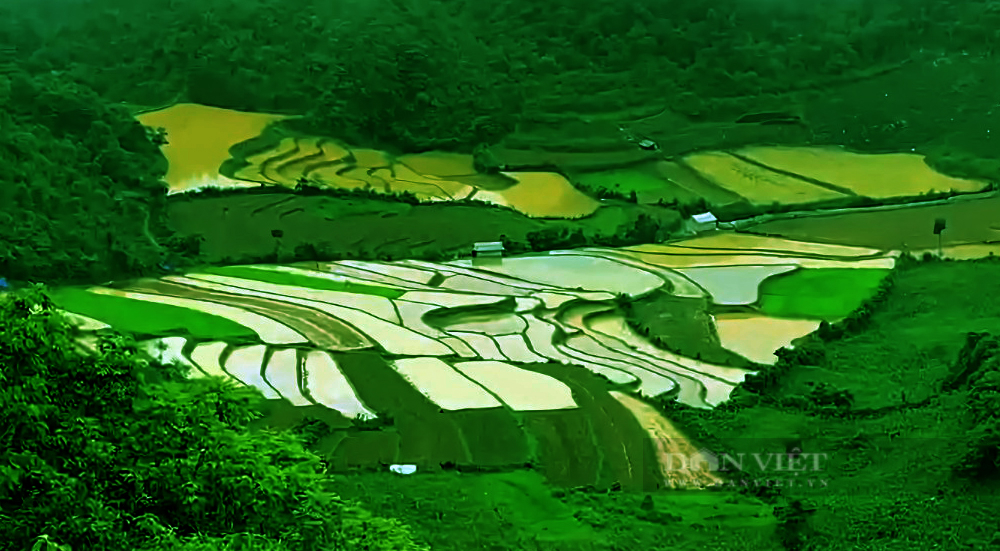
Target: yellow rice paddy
[(199, 140), (756, 337), (758, 185), (883, 175)]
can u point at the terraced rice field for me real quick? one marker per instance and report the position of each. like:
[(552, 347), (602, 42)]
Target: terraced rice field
[(541, 195), (758, 185), (786, 175), (757, 337), (488, 364), (212, 147), (199, 140)]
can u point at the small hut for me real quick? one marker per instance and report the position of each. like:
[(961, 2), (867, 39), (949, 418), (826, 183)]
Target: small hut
[(703, 222), (487, 249)]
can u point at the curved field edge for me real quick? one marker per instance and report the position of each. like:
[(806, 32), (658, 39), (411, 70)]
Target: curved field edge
[(266, 275), (598, 444), (818, 293), (148, 318)]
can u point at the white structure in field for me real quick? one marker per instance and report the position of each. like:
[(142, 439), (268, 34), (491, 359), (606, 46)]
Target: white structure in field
[(702, 222), (492, 248)]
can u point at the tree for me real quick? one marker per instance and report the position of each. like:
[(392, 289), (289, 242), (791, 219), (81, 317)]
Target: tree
[(111, 452)]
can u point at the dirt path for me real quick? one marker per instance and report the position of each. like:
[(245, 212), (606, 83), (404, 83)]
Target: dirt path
[(681, 463)]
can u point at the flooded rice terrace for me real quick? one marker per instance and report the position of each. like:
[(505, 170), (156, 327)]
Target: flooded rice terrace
[(471, 340)]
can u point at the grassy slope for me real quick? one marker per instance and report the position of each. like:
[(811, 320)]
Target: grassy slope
[(829, 293), (148, 318), (239, 227), (682, 325), (888, 474), (301, 280), (516, 510)]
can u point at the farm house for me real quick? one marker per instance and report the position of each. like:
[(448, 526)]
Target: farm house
[(487, 249), (702, 222)]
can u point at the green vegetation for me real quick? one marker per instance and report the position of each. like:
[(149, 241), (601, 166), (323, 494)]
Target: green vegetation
[(109, 452), (300, 280), (81, 197), (624, 180), (680, 324), (908, 444), (825, 293), (905, 228), (515, 510), (239, 227), (148, 318), (424, 435)]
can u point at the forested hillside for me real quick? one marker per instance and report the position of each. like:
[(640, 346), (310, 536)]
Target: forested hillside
[(81, 194), (412, 75), (423, 73), (107, 452)]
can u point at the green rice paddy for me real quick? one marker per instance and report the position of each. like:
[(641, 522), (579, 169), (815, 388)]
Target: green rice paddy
[(148, 318), (301, 280), (623, 180), (821, 293)]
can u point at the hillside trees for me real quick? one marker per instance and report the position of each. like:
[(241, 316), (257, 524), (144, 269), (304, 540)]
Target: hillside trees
[(977, 372), (81, 188), (416, 74), (110, 452)]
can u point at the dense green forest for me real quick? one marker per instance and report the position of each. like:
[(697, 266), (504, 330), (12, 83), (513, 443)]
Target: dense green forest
[(425, 73), (112, 452), (82, 196), (406, 75)]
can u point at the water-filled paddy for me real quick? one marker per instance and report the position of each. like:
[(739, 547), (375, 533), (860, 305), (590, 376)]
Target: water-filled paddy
[(520, 390), (733, 284), (443, 385), (576, 271), (757, 337), (246, 364)]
